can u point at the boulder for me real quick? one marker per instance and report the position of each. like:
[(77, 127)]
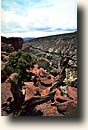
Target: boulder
[(71, 109), (57, 94), (68, 107), (72, 92), (44, 91), (47, 109), (48, 80), (31, 90), (61, 107)]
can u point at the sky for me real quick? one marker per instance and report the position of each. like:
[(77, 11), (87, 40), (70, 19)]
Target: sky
[(37, 18)]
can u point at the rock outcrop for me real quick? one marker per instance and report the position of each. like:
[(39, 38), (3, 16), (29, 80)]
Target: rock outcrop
[(16, 42)]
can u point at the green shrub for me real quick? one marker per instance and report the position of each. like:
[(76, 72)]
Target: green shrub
[(7, 48), (18, 62), (43, 63)]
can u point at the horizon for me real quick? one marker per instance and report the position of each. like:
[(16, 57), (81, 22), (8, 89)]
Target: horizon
[(37, 18), (38, 37)]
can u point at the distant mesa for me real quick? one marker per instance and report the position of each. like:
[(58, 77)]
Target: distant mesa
[(27, 39)]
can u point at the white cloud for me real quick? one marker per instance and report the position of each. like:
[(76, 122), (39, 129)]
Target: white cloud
[(49, 14)]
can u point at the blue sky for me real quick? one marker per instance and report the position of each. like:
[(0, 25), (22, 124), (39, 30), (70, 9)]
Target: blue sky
[(36, 18)]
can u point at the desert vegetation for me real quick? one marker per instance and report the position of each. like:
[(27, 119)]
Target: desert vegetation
[(39, 77)]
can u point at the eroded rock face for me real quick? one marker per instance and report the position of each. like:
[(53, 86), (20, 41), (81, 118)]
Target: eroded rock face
[(16, 42)]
